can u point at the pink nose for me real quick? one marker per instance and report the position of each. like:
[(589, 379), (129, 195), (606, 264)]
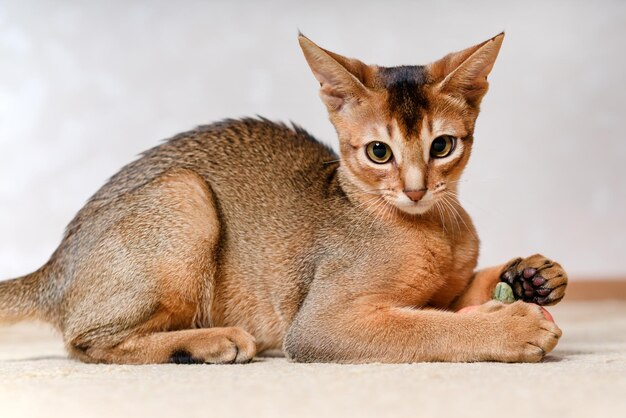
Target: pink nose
[(415, 195)]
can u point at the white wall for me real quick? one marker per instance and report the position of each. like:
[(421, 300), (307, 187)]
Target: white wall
[(85, 86)]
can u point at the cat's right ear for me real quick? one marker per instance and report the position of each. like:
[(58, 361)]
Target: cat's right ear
[(340, 78)]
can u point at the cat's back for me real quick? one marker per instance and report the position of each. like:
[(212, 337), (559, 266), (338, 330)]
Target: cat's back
[(265, 175), (251, 165), (257, 155)]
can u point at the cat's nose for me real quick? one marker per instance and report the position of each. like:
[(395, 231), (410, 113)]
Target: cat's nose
[(415, 195)]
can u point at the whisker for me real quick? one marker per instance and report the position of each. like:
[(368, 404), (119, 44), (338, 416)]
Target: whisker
[(345, 198), (367, 201), (388, 209), (461, 217), (444, 210), (393, 210), (374, 214), (443, 222), (366, 208), (472, 180), (486, 210), (449, 209), (331, 161)]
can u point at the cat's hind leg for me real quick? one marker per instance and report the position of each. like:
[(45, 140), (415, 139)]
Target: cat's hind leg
[(143, 271), (191, 346)]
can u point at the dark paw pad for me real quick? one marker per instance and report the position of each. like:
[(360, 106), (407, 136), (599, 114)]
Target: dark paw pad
[(536, 279)]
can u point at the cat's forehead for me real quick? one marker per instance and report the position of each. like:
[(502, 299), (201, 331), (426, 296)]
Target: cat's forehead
[(407, 102)]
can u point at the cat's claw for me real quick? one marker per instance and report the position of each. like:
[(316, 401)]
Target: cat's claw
[(536, 279)]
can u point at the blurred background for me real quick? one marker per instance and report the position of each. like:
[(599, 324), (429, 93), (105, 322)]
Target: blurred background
[(85, 86)]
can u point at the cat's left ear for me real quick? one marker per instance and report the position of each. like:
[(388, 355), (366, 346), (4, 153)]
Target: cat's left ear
[(465, 72), (342, 80)]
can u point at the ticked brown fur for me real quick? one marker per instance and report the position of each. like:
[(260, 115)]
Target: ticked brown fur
[(247, 235)]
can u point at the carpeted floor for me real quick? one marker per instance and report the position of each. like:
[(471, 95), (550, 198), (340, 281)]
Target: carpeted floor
[(584, 377)]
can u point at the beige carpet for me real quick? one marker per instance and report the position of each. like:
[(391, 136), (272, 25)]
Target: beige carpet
[(584, 377)]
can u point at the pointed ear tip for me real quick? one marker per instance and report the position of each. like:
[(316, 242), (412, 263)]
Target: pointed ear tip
[(499, 37), (304, 41)]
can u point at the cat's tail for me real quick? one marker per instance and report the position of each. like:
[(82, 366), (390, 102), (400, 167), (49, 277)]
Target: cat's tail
[(20, 298)]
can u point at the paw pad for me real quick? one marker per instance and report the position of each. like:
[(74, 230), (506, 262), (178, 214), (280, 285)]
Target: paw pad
[(534, 279)]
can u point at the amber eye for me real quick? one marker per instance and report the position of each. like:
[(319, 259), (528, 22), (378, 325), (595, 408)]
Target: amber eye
[(442, 146), (379, 152)]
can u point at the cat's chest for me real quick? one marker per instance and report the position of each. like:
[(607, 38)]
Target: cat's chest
[(428, 267)]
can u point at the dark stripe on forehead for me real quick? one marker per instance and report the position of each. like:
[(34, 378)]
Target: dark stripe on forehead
[(406, 101)]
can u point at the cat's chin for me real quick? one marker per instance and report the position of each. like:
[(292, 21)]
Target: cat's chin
[(418, 208)]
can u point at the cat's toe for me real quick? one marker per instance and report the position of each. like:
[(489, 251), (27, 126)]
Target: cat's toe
[(536, 279)]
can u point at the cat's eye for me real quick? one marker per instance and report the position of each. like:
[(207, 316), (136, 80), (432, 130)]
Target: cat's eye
[(379, 152), (442, 146)]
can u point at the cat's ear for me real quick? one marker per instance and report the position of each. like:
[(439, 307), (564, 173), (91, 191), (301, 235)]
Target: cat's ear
[(465, 72), (341, 79)]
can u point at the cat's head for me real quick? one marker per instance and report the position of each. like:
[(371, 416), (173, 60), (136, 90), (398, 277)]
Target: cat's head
[(405, 132)]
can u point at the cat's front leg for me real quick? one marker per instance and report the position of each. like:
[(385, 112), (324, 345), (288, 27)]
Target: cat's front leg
[(368, 328), (534, 279)]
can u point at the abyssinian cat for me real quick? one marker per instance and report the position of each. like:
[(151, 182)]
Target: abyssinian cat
[(247, 235)]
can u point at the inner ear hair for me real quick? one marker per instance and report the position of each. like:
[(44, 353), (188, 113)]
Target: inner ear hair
[(341, 79), (465, 72)]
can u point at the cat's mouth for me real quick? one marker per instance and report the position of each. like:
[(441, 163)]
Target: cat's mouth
[(405, 204)]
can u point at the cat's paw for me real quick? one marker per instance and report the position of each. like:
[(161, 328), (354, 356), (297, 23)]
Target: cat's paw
[(536, 279), (516, 332), (527, 335)]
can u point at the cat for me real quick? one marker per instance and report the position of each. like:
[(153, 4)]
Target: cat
[(248, 235)]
